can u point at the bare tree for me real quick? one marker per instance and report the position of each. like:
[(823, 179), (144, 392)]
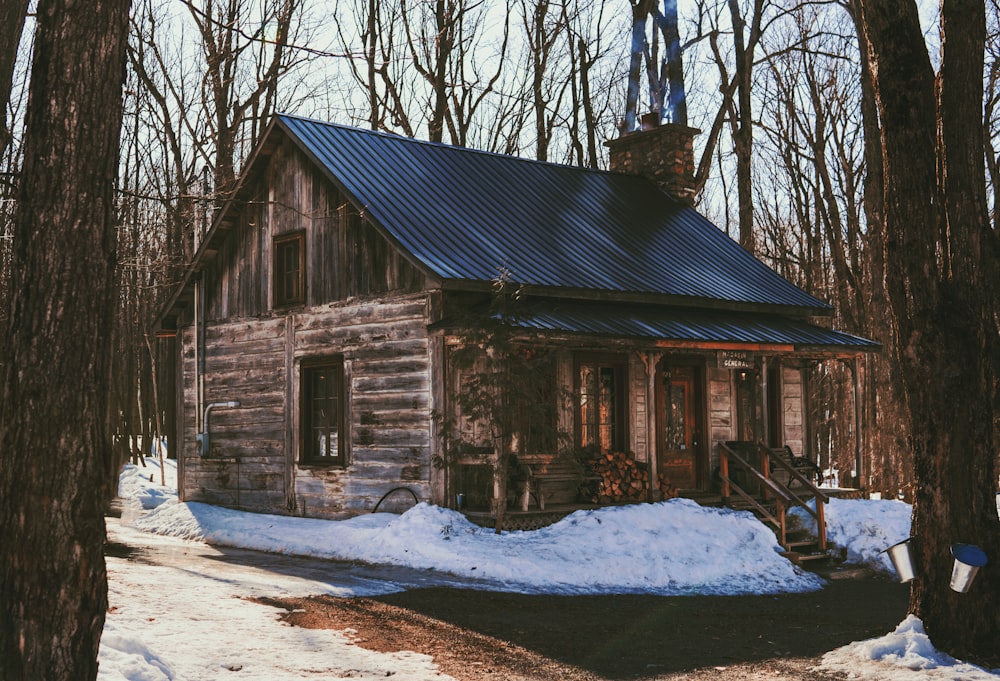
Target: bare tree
[(746, 37), (12, 19), (245, 58), (53, 434), (377, 67), (590, 103), (664, 75), (991, 116), (11, 24), (543, 26)]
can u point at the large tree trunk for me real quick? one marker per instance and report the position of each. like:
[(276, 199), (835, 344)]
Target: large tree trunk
[(941, 277), (53, 434)]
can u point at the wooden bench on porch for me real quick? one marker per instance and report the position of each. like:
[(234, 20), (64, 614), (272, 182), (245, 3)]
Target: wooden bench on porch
[(542, 473)]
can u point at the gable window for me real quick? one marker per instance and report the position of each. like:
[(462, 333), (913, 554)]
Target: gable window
[(289, 269), (322, 412), (600, 391)]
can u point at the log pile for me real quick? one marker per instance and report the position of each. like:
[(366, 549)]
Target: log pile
[(621, 478), (667, 490)]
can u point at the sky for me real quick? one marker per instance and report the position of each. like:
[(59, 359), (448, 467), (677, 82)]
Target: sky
[(185, 616)]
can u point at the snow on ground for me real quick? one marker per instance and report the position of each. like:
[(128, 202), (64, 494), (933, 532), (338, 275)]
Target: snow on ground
[(865, 527), (906, 653), (170, 624), (697, 551), (672, 548)]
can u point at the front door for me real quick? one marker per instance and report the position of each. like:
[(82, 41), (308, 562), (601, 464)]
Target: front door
[(679, 430)]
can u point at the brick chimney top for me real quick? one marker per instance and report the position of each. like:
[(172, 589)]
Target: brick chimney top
[(663, 153)]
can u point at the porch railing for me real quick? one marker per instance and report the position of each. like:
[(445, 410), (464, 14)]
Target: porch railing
[(737, 455)]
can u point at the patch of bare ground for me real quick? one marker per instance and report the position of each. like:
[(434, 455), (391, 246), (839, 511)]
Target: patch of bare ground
[(488, 636)]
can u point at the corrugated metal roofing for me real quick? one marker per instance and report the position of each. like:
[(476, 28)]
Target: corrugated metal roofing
[(685, 324), (466, 214)]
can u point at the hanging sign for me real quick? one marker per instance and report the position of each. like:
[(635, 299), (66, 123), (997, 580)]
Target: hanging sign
[(735, 359)]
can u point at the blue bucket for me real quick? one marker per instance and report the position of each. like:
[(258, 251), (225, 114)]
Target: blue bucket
[(968, 559)]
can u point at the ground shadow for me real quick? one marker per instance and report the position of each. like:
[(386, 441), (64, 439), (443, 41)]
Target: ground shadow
[(632, 636)]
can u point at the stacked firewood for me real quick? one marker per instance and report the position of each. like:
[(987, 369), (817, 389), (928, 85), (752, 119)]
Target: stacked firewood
[(620, 478), (667, 489)]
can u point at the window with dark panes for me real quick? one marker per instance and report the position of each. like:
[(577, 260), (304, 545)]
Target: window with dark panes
[(538, 420), (289, 269), (601, 404), (322, 410)]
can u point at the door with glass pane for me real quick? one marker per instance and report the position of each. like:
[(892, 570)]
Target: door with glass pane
[(679, 430)]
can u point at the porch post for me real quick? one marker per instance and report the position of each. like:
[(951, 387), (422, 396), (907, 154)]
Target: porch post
[(765, 408), (651, 362), (862, 479)]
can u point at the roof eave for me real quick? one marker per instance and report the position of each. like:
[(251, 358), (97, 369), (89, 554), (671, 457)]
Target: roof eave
[(609, 296)]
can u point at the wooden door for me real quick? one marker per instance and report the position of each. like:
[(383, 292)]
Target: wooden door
[(678, 425)]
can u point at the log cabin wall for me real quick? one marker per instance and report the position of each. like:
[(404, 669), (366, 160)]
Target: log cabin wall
[(364, 302), (244, 361), (385, 348), (721, 405), (386, 353), (792, 410)]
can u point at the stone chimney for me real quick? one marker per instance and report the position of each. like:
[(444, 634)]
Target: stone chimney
[(663, 153)]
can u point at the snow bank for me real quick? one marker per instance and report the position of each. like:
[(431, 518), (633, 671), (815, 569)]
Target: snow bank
[(125, 657), (143, 483), (671, 548), (907, 653), (865, 527)]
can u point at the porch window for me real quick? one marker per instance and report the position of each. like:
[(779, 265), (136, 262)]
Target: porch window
[(601, 405), (322, 409), (289, 269), (538, 411)]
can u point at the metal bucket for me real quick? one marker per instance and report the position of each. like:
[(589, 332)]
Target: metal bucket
[(459, 502), (901, 559), (968, 560)]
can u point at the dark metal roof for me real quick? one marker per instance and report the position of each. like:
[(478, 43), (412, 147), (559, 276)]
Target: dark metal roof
[(686, 324), (465, 214)]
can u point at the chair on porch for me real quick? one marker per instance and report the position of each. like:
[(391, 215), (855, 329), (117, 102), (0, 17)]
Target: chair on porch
[(801, 464)]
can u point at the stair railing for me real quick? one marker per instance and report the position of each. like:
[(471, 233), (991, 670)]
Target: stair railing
[(727, 457), (782, 495), (820, 498)]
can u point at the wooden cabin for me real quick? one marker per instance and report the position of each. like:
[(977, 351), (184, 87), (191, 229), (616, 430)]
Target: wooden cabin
[(314, 331)]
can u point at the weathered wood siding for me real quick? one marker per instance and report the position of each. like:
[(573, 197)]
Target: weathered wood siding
[(345, 255), (721, 415), (387, 365), (243, 361), (792, 410), (639, 404), (364, 301), (385, 348)]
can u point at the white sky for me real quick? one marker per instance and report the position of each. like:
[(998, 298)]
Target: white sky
[(186, 618)]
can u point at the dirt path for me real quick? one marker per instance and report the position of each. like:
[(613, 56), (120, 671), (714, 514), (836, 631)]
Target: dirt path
[(486, 636)]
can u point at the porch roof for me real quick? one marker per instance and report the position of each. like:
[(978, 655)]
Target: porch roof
[(689, 327)]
